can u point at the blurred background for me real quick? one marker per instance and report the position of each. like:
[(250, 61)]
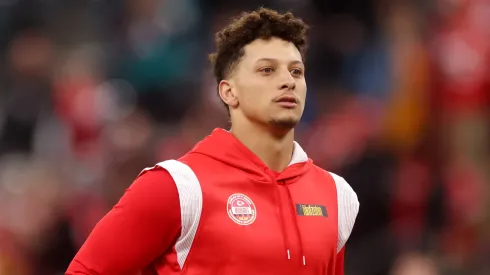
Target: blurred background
[(92, 92)]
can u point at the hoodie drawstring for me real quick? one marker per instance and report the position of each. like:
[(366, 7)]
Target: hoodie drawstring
[(284, 232), (298, 232), (295, 219)]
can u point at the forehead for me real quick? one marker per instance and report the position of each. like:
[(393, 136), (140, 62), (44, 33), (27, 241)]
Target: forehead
[(273, 48)]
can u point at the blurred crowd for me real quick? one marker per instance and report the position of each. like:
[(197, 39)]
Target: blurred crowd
[(93, 91)]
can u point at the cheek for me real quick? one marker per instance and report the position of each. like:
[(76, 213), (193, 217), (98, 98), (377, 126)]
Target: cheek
[(254, 103), (301, 89), (301, 93), (253, 96)]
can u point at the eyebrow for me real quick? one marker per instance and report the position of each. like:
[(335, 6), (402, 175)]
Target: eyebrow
[(276, 60)]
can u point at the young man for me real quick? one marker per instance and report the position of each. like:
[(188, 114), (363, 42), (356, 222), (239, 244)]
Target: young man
[(243, 201)]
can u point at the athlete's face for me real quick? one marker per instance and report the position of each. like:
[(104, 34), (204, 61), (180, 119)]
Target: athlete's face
[(268, 84)]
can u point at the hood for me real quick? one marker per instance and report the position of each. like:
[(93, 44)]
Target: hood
[(222, 146)]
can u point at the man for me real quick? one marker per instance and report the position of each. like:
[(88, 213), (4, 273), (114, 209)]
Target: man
[(244, 201)]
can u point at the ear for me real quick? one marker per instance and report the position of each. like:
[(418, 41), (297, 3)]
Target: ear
[(227, 93)]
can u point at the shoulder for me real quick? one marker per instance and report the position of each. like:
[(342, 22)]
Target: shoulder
[(182, 178), (176, 171), (153, 193), (153, 179), (344, 190)]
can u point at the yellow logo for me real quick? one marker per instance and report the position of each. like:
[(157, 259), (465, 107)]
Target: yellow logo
[(311, 210)]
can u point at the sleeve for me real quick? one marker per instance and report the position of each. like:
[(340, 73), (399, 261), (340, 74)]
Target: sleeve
[(339, 262), (141, 226), (348, 208)]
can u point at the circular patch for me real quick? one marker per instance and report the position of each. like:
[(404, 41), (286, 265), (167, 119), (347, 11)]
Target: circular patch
[(241, 209)]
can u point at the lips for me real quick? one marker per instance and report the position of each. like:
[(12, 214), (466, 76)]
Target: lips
[(287, 101)]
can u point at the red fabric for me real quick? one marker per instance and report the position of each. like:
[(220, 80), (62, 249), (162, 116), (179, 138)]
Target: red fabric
[(261, 247), (140, 232), (339, 262), (276, 174), (136, 232)]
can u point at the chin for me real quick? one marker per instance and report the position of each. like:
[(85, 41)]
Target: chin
[(284, 122)]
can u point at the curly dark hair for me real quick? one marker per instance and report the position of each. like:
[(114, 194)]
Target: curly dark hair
[(259, 24)]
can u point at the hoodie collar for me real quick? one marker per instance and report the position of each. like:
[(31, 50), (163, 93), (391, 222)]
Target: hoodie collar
[(299, 155), (222, 146)]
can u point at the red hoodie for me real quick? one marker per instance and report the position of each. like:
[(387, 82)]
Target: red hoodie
[(220, 210)]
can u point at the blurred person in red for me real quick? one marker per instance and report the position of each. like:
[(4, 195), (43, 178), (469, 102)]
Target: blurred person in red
[(460, 105), (243, 201)]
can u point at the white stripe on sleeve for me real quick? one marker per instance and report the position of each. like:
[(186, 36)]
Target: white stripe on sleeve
[(190, 197), (348, 208)]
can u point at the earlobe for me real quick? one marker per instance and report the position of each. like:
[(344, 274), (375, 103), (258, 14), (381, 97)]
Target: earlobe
[(227, 94)]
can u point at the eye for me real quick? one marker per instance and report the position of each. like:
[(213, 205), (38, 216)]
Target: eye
[(266, 70), (297, 72)]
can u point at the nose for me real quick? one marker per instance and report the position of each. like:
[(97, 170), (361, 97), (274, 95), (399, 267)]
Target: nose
[(287, 81)]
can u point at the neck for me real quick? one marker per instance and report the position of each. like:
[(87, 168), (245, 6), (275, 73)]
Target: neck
[(274, 150)]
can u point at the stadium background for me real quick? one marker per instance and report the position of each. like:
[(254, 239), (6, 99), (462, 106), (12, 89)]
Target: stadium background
[(91, 92)]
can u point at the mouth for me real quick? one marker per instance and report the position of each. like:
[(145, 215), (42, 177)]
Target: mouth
[(287, 101)]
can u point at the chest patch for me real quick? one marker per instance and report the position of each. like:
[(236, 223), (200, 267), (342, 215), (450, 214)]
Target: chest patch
[(241, 209), (311, 210)]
